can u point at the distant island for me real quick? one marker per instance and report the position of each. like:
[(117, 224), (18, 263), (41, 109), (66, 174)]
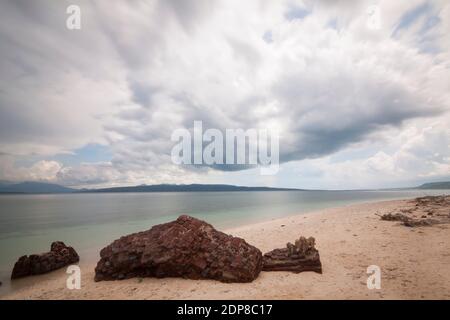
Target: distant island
[(435, 185), (32, 187), (185, 188)]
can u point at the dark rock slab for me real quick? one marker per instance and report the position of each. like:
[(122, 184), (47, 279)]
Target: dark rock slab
[(187, 247), (394, 217), (420, 223), (59, 256), (298, 257)]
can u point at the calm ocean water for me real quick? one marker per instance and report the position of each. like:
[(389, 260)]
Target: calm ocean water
[(29, 223)]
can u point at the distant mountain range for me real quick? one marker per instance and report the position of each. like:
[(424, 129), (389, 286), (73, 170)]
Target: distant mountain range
[(435, 185), (185, 188), (30, 187), (41, 187)]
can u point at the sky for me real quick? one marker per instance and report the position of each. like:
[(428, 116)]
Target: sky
[(359, 91)]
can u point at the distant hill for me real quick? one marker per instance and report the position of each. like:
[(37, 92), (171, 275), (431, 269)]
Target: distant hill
[(42, 188), (185, 188), (32, 187), (435, 185)]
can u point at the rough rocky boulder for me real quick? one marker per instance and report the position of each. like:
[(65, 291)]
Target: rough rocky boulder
[(59, 256), (298, 257), (186, 247)]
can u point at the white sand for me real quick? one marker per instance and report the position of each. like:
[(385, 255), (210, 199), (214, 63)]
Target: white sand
[(415, 263)]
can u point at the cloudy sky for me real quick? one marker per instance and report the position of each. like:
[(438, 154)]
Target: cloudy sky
[(359, 90)]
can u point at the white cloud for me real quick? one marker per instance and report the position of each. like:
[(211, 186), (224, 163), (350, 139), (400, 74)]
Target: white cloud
[(139, 70), (40, 171)]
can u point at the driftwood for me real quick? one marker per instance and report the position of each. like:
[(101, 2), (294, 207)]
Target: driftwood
[(298, 257)]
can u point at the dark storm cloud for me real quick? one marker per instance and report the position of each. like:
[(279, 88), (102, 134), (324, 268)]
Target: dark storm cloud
[(326, 115)]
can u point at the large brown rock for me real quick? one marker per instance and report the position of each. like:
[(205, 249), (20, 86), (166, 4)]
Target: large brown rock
[(298, 257), (186, 247), (59, 256)]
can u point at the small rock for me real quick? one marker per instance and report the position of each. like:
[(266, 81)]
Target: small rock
[(298, 257), (59, 256)]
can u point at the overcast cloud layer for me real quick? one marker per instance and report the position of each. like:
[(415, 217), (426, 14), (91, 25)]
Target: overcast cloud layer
[(357, 103)]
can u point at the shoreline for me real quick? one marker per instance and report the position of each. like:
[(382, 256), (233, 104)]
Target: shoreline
[(413, 261)]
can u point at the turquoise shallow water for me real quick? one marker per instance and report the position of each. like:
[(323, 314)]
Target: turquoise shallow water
[(29, 223)]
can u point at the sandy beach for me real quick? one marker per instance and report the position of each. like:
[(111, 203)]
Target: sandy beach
[(414, 263)]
